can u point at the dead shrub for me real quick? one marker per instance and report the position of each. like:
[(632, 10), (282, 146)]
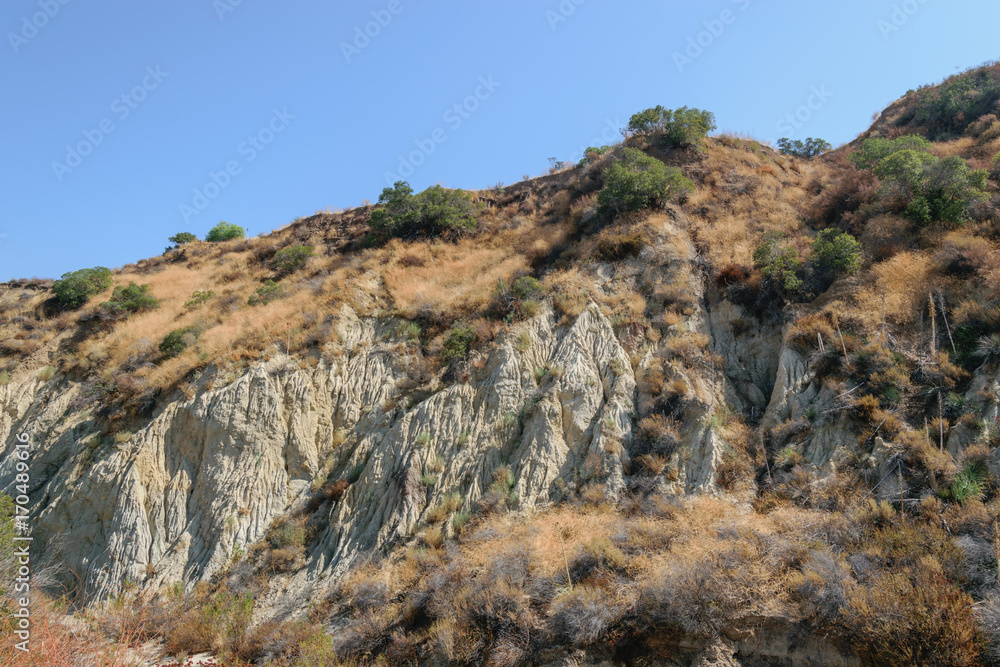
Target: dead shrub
[(615, 246), (583, 615), (657, 434), (701, 597), (804, 334), (822, 586), (911, 617), (731, 275), (410, 260)]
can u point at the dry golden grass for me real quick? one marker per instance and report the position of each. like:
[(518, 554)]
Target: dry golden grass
[(905, 281), (748, 195), (454, 279)]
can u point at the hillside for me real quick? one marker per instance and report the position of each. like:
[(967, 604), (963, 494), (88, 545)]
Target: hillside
[(692, 401)]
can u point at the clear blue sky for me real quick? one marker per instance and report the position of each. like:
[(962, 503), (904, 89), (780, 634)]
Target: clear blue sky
[(552, 87)]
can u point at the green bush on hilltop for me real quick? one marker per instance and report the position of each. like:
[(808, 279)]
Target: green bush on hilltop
[(677, 128), (636, 181), (434, 211), (224, 231), (593, 154), (807, 149), (181, 238), (951, 106), (74, 288), (928, 188)]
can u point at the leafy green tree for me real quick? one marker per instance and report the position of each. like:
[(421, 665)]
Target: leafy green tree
[(836, 252), (807, 149), (778, 262), (74, 288), (951, 106), (874, 151), (636, 181), (930, 188), (224, 231), (131, 299), (679, 128), (181, 238), (289, 260), (433, 211), (179, 340)]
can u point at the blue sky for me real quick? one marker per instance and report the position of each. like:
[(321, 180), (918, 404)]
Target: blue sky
[(126, 122)]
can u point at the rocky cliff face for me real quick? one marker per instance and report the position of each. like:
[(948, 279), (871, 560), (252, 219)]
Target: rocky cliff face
[(556, 399)]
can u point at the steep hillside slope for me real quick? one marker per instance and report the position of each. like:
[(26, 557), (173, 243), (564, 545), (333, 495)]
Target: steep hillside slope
[(682, 434)]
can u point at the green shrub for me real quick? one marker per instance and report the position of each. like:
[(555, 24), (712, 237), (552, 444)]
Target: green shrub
[(131, 299), (433, 211), (636, 181), (181, 238), (807, 149), (778, 262), (46, 373), (289, 534), (409, 330), (678, 128), (198, 298), (266, 293), (225, 231), (459, 521), (988, 347), (593, 154), (178, 340), (951, 106), (970, 483), (289, 260), (74, 288), (836, 252), (4, 378), (516, 300), (928, 188), (457, 343)]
